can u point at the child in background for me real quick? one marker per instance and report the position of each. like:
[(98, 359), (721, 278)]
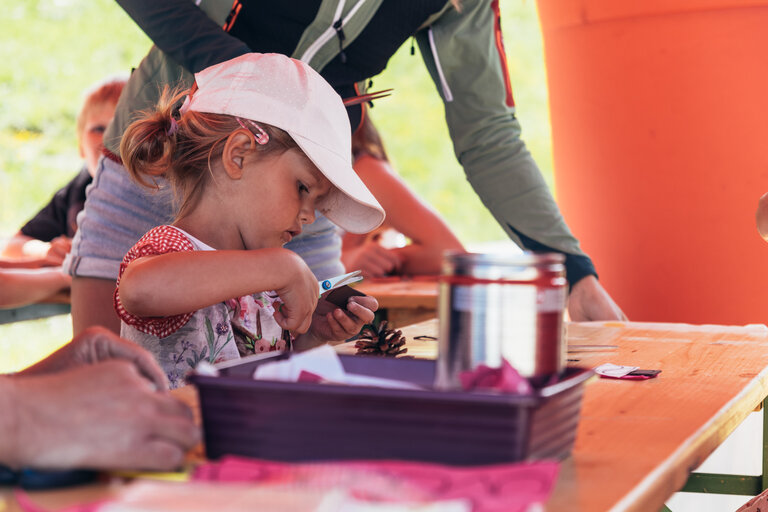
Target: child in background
[(46, 238), (428, 233), (259, 143)]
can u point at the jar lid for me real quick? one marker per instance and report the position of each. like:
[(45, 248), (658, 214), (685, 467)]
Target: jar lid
[(523, 266)]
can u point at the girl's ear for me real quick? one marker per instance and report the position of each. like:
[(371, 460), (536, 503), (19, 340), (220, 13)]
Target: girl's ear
[(236, 148)]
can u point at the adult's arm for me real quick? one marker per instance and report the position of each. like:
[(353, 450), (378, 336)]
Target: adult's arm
[(464, 55), (184, 32), (461, 53), (22, 251), (428, 233), (187, 39), (19, 286)]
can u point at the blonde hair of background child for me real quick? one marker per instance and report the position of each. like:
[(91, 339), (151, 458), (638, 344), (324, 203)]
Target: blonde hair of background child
[(180, 148), (104, 92)]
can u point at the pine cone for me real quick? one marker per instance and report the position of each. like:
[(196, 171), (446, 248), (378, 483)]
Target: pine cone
[(380, 341)]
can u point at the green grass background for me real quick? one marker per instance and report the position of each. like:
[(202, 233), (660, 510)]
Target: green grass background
[(53, 49)]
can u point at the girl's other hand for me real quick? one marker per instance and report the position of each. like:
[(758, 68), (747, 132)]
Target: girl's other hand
[(339, 324), (299, 296)]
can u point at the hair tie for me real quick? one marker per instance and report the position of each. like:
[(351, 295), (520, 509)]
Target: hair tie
[(173, 128)]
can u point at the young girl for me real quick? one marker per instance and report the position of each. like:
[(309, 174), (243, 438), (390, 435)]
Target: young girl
[(259, 143)]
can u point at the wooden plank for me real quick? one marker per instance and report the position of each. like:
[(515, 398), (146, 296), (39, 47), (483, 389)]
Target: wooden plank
[(639, 440), (402, 293), (32, 312)]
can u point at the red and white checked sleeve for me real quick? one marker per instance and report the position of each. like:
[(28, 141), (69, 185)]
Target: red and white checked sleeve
[(159, 240)]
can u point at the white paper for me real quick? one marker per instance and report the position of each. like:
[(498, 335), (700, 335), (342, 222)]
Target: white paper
[(614, 370), (324, 362)]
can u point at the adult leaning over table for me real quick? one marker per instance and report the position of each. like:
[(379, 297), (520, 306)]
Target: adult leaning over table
[(99, 402), (348, 42)]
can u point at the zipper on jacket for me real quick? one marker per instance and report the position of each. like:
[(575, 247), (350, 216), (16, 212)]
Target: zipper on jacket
[(510, 100), (236, 6), (340, 34), (336, 29), (447, 95)]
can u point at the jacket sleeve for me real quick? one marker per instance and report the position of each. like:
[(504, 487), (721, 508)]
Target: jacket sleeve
[(187, 39), (174, 24), (466, 62)]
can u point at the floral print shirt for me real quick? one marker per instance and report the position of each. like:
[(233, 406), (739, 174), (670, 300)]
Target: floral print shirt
[(227, 330)]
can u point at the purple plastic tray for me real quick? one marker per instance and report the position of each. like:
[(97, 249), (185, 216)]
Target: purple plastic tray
[(292, 421)]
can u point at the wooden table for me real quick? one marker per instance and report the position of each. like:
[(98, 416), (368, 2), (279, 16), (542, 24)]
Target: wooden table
[(638, 441), (403, 301)]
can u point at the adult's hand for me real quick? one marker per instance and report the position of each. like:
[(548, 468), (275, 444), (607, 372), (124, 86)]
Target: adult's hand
[(589, 301), (101, 416), (98, 344)]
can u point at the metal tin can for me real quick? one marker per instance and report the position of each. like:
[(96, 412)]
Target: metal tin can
[(495, 306)]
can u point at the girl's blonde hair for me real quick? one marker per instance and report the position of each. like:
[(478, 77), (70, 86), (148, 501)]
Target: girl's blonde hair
[(367, 141), (180, 148)]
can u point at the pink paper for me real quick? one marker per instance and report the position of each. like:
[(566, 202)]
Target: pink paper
[(495, 488), (238, 483), (504, 379)]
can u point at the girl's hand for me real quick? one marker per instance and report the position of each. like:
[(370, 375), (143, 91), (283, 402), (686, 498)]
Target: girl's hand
[(299, 296), (339, 325)]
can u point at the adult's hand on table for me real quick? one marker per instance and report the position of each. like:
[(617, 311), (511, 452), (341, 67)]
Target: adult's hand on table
[(589, 301), (102, 416), (98, 344), (372, 260)]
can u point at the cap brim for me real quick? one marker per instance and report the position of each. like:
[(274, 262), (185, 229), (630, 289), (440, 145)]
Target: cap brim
[(352, 207)]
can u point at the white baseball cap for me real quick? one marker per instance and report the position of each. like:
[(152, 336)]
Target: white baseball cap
[(288, 94)]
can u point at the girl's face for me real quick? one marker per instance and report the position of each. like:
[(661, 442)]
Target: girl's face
[(279, 196)]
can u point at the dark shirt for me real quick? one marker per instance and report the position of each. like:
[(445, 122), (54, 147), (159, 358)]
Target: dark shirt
[(59, 217), (276, 27)]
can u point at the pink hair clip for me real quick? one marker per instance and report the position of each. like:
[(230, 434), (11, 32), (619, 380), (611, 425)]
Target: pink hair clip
[(262, 137)]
